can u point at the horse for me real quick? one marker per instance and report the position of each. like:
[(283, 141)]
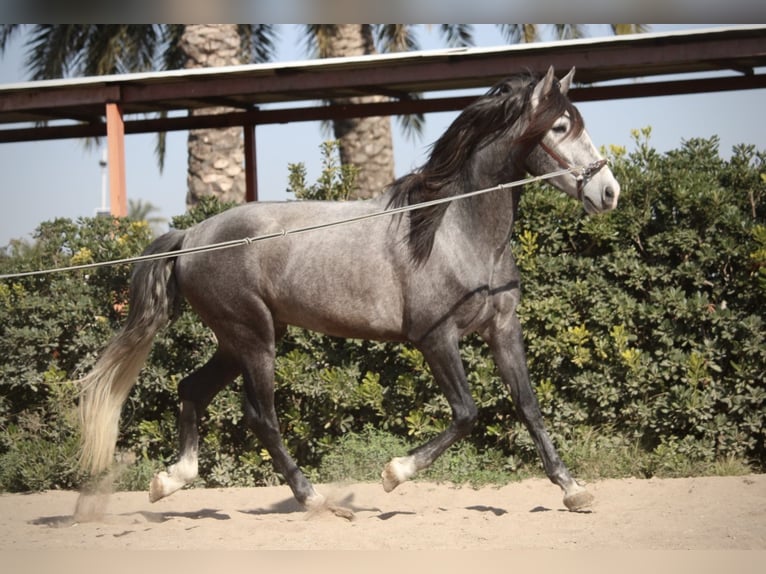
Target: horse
[(426, 277)]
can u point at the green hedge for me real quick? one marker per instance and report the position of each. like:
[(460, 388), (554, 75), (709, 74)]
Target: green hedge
[(644, 328)]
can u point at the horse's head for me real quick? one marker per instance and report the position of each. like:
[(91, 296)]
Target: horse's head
[(565, 144)]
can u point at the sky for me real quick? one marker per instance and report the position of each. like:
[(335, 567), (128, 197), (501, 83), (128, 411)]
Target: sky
[(62, 178)]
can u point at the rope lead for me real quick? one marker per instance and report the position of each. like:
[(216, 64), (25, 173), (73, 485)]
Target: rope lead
[(285, 232)]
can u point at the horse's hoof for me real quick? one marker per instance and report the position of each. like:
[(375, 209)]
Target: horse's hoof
[(397, 471), (390, 479), (157, 486), (318, 504), (578, 500)]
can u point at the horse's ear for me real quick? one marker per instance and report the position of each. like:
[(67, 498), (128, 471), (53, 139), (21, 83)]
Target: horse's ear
[(543, 87), (566, 81)]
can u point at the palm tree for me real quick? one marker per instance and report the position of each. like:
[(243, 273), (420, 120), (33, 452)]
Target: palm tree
[(366, 143), (216, 156), (363, 142)]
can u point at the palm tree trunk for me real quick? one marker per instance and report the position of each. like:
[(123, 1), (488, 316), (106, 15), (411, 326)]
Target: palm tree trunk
[(216, 156), (365, 143)]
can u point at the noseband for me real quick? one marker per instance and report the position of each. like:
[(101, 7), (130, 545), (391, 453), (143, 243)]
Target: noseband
[(581, 175)]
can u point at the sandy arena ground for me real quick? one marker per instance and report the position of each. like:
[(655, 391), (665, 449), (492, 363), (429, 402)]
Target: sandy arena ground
[(718, 513)]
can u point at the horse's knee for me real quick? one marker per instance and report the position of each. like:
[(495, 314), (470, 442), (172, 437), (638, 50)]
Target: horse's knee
[(465, 419)]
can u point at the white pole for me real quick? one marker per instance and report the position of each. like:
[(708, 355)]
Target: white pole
[(102, 163)]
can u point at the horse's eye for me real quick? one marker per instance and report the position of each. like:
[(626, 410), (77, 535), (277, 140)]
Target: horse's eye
[(559, 128)]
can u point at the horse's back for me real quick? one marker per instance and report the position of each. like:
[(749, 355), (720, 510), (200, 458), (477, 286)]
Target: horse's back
[(343, 280)]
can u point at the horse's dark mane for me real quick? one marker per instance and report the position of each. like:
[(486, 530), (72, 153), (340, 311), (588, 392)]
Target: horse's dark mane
[(447, 170)]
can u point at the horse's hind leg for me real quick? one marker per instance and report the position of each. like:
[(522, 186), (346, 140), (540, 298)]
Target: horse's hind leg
[(195, 391), (261, 417)]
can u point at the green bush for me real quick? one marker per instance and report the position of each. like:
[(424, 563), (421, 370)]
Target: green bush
[(51, 329), (649, 322), (644, 331)]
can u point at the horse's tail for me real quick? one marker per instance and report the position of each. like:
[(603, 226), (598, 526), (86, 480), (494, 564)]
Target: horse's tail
[(153, 301)]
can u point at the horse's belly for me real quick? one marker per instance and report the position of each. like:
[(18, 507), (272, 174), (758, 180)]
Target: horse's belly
[(355, 321), (370, 309)]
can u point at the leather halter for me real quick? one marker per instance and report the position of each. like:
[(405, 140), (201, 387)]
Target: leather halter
[(581, 175)]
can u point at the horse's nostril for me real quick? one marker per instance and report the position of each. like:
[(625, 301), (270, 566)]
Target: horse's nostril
[(609, 194)]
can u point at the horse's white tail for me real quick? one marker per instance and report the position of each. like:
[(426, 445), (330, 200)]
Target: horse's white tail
[(154, 299)]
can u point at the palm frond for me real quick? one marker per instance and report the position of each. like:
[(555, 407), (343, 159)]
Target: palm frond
[(258, 42), (173, 57), (54, 49), (160, 145), (412, 125), (622, 29), (568, 31), (101, 53), (396, 38), (140, 210), (57, 51), (517, 33), (141, 47), (318, 39), (457, 35), (121, 48), (7, 31)]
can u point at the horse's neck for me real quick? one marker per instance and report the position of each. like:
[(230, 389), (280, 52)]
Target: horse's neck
[(489, 217)]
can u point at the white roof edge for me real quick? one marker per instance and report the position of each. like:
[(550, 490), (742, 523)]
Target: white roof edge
[(327, 62)]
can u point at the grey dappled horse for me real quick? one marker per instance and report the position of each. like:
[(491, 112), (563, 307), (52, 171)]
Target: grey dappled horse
[(427, 277)]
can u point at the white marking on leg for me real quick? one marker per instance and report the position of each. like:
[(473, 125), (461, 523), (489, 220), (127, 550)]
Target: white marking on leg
[(185, 469), (399, 470), (178, 475)]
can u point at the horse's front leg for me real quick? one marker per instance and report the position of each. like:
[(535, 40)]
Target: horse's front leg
[(506, 342), (443, 357)]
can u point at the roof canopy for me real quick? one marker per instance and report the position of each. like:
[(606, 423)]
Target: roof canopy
[(299, 91), (601, 64)]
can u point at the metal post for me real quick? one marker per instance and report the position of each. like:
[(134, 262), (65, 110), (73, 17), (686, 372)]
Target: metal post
[(115, 142), (251, 164)]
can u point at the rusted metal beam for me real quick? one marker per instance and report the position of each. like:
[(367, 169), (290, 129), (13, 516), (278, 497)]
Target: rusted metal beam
[(52, 133), (59, 98), (316, 113), (674, 88), (596, 62), (257, 117)]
